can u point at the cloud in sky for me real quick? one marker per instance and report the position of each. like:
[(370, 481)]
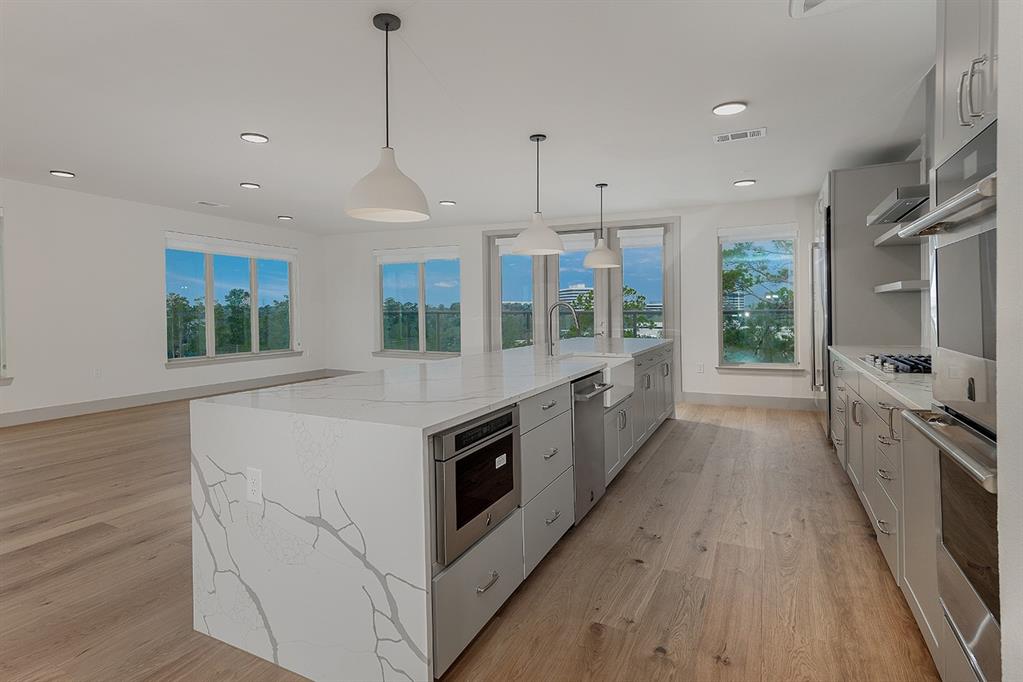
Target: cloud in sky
[(446, 284)]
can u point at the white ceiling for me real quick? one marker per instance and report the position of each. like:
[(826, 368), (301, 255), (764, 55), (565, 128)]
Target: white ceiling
[(145, 101)]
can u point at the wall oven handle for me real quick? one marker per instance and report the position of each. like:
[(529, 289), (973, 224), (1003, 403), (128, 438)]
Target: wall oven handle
[(983, 475), (494, 577), (984, 190)]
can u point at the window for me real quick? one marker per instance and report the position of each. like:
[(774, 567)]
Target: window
[(211, 285), (516, 296), (575, 285), (420, 301), (642, 293), (757, 290)]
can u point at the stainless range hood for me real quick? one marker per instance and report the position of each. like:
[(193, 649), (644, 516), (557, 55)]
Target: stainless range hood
[(899, 205)]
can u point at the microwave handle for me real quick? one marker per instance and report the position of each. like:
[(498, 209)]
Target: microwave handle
[(983, 475)]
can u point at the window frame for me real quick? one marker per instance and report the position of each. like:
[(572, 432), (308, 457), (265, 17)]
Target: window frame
[(5, 378), (422, 353), (759, 233), (208, 247), (607, 305)]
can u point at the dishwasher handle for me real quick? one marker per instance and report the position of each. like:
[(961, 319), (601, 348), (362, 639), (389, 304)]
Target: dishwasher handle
[(597, 390)]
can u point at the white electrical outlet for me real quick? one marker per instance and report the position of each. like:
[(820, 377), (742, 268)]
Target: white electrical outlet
[(254, 484), (699, 368)]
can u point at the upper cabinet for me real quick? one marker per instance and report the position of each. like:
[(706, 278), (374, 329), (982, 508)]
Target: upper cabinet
[(966, 82)]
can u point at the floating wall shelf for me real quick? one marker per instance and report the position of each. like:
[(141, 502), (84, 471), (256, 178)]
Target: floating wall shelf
[(892, 238), (903, 285)]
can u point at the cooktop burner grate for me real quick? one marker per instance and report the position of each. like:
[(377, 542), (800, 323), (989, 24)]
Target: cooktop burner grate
[(898, 363)]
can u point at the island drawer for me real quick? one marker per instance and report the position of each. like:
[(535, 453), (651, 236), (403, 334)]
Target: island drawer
[(885, 518), (888, 475), (471, 590), (544, 406), (547, 518), (889, 409), (843, 370), (546, 452)]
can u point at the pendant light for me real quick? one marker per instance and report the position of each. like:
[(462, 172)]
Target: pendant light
[(538, 239), (601, 257), (386, 194)]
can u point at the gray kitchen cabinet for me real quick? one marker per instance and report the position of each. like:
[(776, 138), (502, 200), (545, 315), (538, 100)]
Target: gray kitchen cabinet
[(546, 518), (667, 389), (966, 80), (920, 535), (546, 451), (854, 443), (626, 435), (619, 438)]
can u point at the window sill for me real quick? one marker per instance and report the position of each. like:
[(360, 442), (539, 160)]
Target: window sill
[(237, 357), (761, 367), (6, 381), (414, 355)]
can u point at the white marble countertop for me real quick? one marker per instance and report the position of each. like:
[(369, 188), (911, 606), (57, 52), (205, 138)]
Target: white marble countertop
[(913, 390), (434, 395)]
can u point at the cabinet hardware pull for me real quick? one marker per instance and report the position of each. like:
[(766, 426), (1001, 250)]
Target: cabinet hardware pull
[(882, 526), (839, 441), (891, 418), (840, 389), (883, 440), (839, 408), (551, 454), (667, 369), (885, 474), (836, 368), (557, 514), (856, 421), (959, 101), (969, 86), (547, 406), (494, 575)]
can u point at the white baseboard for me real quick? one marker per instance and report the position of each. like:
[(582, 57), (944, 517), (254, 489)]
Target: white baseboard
[(769, 402), (40, 414)]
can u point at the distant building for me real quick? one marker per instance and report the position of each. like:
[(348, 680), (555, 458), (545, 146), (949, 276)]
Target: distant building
[(734, 301), (569, 295)]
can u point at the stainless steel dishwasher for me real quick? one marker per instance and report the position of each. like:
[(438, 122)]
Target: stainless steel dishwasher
[(588, 436)]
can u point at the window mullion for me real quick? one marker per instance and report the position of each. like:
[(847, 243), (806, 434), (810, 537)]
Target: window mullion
[(253, 306), (422, 307), (211, 335)]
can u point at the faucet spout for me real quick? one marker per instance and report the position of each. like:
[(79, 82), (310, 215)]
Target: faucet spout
[(553, 329)]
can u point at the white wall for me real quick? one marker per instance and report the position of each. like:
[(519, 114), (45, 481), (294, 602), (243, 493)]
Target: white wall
[(351, 274), (84, 278), (1010, 334)]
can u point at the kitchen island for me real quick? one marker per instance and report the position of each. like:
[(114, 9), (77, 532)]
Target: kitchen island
[(312, 505)]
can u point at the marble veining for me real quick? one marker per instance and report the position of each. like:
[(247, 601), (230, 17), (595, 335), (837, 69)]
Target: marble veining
[(913, 390)]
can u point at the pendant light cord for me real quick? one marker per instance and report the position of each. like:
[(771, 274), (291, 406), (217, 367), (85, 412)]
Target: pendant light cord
[(387, 86), (537, 175)]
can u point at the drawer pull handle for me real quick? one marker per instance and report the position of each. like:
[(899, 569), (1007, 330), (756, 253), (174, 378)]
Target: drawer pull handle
[(840, 389), (551, 454), (549, 405), (839, 408), (494, 575), (839, 442), (883, 440), (882, 526), (885, 474), (891, 418), (557, 515)]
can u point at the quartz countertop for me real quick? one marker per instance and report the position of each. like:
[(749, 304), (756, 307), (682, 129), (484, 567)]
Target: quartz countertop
[(912, 390), (433, 395)]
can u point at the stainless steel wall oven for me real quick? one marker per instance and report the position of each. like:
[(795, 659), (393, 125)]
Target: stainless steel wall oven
[(477, 480)]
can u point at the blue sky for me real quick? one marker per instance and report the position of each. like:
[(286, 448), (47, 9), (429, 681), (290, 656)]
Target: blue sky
[(185, 276), (443, 283)]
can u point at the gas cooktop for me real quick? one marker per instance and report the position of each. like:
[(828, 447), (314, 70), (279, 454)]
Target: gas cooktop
[(911, 364)]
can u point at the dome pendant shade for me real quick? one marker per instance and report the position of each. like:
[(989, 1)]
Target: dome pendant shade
[(387, 195), (538, 239), (601, 257)]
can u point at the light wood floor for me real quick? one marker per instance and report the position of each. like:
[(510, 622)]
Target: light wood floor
[(730, 547)]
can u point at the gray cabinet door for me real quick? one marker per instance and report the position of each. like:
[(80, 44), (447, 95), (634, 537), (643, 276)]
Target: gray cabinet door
[(612, 451), (920, 534), (854, 443), (626, 434), (959, 30)]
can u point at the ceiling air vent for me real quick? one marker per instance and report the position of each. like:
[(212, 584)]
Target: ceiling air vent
[(740, 135)]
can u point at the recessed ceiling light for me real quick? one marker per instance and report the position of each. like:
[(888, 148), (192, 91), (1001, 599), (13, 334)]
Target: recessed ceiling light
[(248, 185), (62, 174), (285, 217), (745, 183), (447, 202), (729, 108), (255, 138)]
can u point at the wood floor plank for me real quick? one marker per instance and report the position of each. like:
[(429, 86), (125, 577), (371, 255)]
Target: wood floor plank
[(731, 546)]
